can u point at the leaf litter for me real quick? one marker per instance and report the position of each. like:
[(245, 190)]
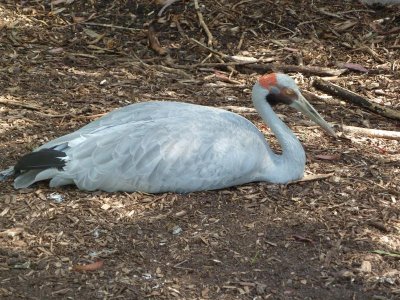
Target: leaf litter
[(333, 235)]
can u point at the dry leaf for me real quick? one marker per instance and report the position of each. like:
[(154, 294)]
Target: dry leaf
[(89, 267), (328, 156), (92, 33), (345, 25), (105, 206), (5, 211), (303, 239), (78, 19), (57, 11), (12, 232), (354, 67), (57, 50), (244, 59), (154, 43)]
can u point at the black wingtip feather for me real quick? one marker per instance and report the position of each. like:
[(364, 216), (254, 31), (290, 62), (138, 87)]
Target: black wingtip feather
[(43, 159)]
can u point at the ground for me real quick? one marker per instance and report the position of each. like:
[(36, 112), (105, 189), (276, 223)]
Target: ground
[(65, 63)]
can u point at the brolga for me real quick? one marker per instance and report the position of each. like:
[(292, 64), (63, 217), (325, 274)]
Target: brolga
[(159, 147)]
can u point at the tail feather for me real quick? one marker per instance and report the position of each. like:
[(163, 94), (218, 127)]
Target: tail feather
[(37, 166), (29, 177), (26, 179), (4, 174), (42, 159)]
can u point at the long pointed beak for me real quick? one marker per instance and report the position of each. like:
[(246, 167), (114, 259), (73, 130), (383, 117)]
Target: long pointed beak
[(306, 108)]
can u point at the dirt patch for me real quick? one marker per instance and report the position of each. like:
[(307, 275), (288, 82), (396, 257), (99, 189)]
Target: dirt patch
[(64, 64)]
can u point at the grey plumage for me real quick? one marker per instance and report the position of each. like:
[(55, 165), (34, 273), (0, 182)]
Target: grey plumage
[(177, 147)]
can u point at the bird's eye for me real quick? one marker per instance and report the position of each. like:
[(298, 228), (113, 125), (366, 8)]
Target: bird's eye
[(288, 92)]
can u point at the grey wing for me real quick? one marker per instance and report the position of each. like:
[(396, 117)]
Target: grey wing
[(164, 155), (145, 111)]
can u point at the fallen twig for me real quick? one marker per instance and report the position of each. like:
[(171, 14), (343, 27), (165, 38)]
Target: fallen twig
[(209, 65), (203, 24), (312, 177), (109, 26), (208, 48), (302, 239), (154, 43), (239, 109), (173, 71), (69, 116), (261, 68), (378, 225), (175, 19), (20, 104), (354, 98), (309, 70), (89, 267), (311, 97), (376, 133), (166, 4), (330, 14)]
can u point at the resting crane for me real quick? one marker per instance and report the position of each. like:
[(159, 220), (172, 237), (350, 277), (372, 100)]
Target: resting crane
[(159, 147)]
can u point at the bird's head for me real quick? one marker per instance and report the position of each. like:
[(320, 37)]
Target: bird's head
[(278, 88)]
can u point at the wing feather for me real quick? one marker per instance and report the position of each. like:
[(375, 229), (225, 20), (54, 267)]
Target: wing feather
[(161, 146)]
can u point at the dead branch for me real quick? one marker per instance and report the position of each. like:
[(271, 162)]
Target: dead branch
[(35, 108), (356, 99), (179, 72), (312, 177), (239, 109), (175, 19), (203, 24), (154, 43), (166, 4), (308, 70), (375, 133), (20, 104), (311, 97), (109, 26), (260, 68), (208, 48)]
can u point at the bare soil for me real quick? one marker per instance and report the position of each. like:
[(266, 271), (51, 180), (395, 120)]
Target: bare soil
[(64, 64)]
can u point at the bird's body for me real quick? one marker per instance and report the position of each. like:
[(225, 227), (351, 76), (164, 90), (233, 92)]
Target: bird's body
[(169, 146)]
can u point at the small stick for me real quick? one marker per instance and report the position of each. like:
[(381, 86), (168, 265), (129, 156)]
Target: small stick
[(378, 225), (208, 65), (166, 4), (327, 13), (375, 133), (310, 70), (20, 104), (175, 19), (356, 99), (239, 109), (312, 177), (280, 26), (239, 3), (203, 24), (371, 52), (239, 46), (311, 97), (230, 68), (154, 43), (173, 70), (209, 49), (108, 26), (262, 68)]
